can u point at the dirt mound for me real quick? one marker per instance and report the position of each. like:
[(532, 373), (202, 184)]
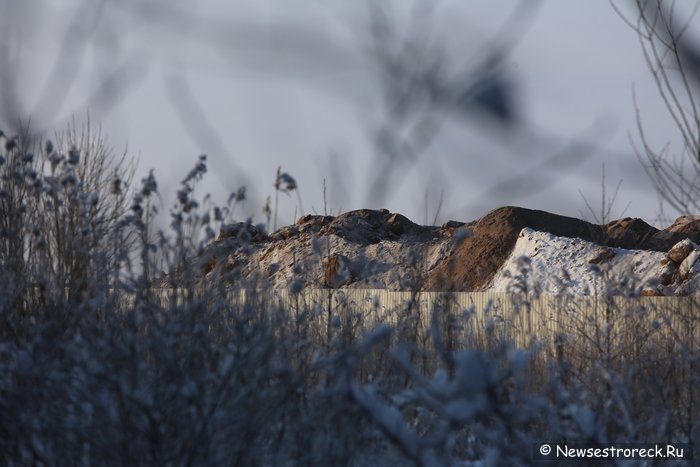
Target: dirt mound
[(686, 227), (477, 258), (378, 249), (633, 234), (366, 226)]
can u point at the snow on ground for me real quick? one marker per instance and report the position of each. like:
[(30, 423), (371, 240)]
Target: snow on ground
[(544, 263), (391, 265)]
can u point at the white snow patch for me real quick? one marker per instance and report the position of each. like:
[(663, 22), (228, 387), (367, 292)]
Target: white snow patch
[(544, 263)]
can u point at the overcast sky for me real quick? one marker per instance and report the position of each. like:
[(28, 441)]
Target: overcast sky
[(260, 84)]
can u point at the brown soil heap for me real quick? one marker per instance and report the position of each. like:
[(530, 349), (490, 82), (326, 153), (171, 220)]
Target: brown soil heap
[(377, 249)]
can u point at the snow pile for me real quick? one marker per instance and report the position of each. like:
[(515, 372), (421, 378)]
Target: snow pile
[(390, 265), (376, 249), (542, 263)]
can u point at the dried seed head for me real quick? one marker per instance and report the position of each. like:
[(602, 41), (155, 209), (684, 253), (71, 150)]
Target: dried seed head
[(11, 144), (74, 155), (240, 194), (116, 186)]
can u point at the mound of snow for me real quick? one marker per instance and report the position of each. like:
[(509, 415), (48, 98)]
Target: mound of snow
[(380, 250), (544, 263)]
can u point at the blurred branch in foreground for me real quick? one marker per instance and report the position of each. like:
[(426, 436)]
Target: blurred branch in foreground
[(673, 57)]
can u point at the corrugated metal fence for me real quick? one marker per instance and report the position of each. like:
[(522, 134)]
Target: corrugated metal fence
[(601, 324)]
